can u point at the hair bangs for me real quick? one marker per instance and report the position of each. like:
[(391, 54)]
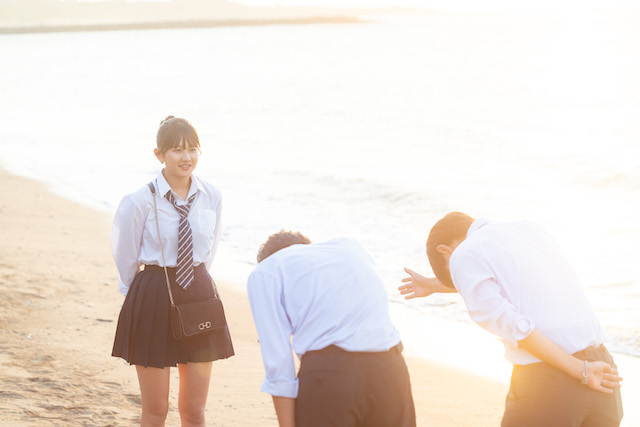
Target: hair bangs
[(176, 132)]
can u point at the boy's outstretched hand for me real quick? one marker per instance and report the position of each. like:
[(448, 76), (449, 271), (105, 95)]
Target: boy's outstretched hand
[(417, 286)]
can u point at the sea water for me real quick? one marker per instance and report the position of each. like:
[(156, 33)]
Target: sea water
[(372, 131)]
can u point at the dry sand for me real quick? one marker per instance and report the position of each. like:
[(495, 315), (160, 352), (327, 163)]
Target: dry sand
[(58, 307)]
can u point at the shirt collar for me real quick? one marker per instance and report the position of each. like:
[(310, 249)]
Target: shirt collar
[(476, 225), (164, 187)]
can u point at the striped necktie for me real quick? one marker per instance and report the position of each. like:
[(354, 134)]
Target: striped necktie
[(184, 272)]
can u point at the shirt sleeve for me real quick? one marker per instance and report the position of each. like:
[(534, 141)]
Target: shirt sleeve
[(274, 332), (217, 232), (475, 280), (126, 238)]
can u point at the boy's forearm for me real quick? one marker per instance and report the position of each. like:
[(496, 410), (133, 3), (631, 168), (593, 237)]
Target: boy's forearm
[(285, 410), (549, 352)]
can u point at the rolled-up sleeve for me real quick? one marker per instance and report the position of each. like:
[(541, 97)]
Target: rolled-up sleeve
[(475, 280), (126, 238), (274, 331)]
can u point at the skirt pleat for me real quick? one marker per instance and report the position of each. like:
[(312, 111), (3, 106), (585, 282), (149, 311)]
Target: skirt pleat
[(143, 335)]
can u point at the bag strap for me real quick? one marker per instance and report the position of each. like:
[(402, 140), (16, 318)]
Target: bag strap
[(164, 263)]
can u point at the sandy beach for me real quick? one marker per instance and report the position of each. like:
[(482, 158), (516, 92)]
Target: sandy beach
[(59, 303)]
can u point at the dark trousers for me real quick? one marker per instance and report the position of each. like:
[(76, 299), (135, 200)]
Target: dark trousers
[(354, 389), (540, 395)]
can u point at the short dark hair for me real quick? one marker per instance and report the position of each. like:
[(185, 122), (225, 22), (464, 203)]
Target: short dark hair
[(281, 240), (450, 228), (173, 132)]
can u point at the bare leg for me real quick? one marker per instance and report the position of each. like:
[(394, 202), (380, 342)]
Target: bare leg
[(194, 387), (154, 390)]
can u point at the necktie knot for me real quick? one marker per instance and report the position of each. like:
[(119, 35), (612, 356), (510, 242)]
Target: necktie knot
[(183, 210)]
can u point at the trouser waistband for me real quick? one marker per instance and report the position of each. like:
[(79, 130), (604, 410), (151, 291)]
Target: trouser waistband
[(591, 351), (591, 354), (334, 349)]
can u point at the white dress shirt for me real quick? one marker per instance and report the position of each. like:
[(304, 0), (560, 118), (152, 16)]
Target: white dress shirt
[(134, 239), (513, 278), (323, 294)]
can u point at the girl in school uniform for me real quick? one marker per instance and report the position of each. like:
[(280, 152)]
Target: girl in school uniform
[(143, 335)]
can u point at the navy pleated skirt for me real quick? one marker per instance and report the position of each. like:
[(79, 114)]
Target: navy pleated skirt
[(143, 336)]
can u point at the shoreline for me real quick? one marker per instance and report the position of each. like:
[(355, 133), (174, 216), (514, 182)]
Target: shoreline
[(59, 299), (47, 16), (183, 24)]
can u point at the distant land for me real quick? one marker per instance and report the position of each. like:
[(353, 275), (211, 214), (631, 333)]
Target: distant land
[(21, 16)]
